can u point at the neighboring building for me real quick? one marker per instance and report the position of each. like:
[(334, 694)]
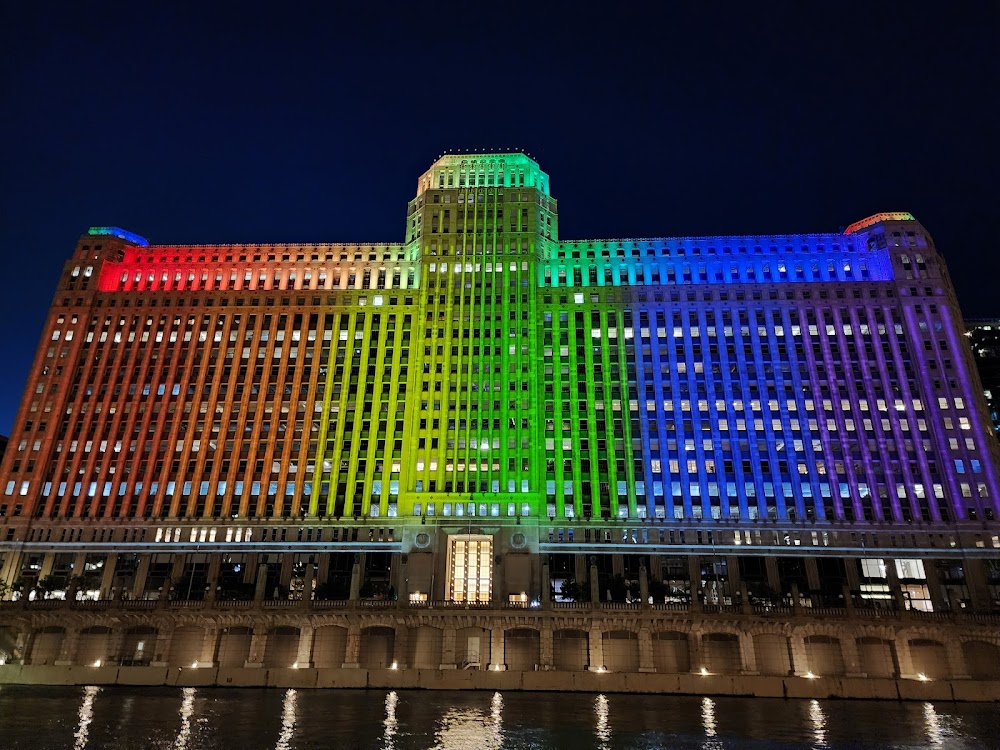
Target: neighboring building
[(736, 449), (984, 336)]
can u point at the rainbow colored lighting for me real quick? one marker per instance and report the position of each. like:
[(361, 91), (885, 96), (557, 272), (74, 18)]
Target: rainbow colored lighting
[(120, 233), (878, 218)]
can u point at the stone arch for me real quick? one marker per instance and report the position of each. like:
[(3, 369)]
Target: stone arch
[(522, 649), (186, 643), (330, 646), (930, 658), (46, 645), (92, 645), (878, 656), (472, 648), (138, 646), (570, 650), (982, 659), (423, 647), (720, 653), (377, 647), (234, 645), (824, 655), (671, 653), (281, 647), (621, 650), (772, 653)]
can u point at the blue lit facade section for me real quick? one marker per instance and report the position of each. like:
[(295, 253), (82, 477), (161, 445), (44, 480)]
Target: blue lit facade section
[(120, 233)]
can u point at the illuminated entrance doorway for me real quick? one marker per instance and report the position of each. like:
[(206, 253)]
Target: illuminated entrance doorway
[(470, 568)]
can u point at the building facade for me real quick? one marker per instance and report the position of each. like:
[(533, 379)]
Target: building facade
[(560, 447)]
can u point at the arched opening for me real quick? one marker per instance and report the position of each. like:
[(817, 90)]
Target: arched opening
[(877, 657), (771, 650), (930, 659), (92, 646), (621, 651), (330, 647), (47, 643), (472, 648), (186, 646), (570, 650), (376, 648), (671, 654), (721, 653), (234, 646), (824, 655), (982, 659), (281, 647), (423, 648), (522, 648), (139, 647)]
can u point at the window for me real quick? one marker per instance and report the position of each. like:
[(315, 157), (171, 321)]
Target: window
[(470, 568)]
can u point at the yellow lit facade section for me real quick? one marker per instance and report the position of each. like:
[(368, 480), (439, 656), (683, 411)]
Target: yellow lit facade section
[(470, 568)]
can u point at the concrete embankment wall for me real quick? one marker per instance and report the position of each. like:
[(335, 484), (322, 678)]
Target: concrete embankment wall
[(436, 679)]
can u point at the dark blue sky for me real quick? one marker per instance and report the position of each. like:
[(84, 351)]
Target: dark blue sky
[(244, 123)]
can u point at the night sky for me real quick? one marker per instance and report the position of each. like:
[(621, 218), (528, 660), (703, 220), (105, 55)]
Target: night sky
[(239, 123)]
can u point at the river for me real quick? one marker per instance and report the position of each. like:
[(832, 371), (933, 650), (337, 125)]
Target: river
[(90, 718)]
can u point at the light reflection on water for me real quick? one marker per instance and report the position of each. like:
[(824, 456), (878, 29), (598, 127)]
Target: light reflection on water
[(112, 718)]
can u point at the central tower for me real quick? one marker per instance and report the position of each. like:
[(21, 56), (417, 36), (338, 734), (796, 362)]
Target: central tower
[(475, 230)]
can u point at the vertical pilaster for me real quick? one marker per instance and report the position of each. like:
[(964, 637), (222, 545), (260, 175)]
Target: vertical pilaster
[(646, 663), (748, 654), (956, 659), (800, 663), (303, 656), (161, 649), (448, 648), (9, 569), (694, 574), (67, 649), (595, 640), (852, 659), (694, 651), (259, 591), (773, 579), (209, 647), (545, 651), (497, 658), (141, 574), (400, 643), (975, 581), (904, 656), (108, 575), (812, 579), (258, 641), (352, 651), (212, 576)]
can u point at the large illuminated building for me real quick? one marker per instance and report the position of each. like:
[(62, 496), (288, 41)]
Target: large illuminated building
[(487, 446)]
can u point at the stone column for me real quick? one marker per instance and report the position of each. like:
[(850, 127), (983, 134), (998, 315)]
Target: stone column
[(141, 573), (10, 568), (79, 568), (108, 575), (852, 659), (546, 585), (975, 581), (643, 585), (934, 586), (800, 664), (285, 574), (24, 644), (307, 585), (853, 578), (892, 578), (303, 657), (745, 604), (208, 648), (497, 662), (177, 573), (448, 648), (595, 585), (796, 601), (323, 561), (694, 574), (259, 592), (904, 657), (400, 641), (748, 654), (694, 651), (355, 581), (212, 577), (956, 660), (545, 646), (352, 652), (773, 580), (812, 578), (48, 561), (258, 641), (67, 650), (646, 663), (595, 640), (848, 601), (161, 646), (113, 653)]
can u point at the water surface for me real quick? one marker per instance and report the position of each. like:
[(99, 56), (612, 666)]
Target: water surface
[(250, 719)]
